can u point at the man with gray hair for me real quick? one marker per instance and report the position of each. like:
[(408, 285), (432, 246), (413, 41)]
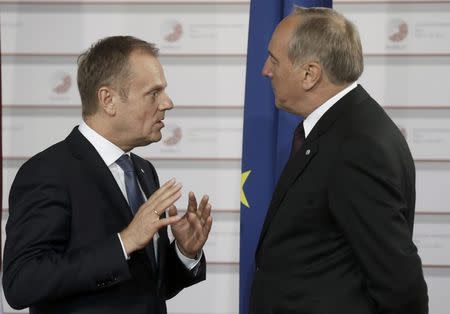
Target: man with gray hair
[(337, 237)]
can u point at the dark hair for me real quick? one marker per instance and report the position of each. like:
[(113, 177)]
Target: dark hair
[(105, 63)]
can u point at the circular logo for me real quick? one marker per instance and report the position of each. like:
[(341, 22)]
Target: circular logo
[(61, 82), (397, 30), (171, 31), (172, 135)]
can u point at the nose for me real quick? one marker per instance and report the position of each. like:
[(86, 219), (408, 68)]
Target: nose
[(266, 70), (166, 103)]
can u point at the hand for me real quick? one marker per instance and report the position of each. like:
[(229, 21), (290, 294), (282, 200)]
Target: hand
[(192, 230), (146, 221)]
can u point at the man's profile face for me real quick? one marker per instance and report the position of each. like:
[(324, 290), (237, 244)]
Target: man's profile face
[(140, 115), (279, 69)]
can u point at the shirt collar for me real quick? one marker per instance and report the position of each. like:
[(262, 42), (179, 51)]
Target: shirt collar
[(108, 151), (315, 116)]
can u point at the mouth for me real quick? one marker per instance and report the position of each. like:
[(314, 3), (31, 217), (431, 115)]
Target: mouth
[(160, 123)]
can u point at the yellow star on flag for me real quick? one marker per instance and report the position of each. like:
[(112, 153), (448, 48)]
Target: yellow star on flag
[(243, 179)]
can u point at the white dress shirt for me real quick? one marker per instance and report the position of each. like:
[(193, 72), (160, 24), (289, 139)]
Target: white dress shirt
[(315, 116), (109, 152)]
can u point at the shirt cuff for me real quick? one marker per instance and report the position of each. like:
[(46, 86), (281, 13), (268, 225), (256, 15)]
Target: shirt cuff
[(123, 248), (189, 263)]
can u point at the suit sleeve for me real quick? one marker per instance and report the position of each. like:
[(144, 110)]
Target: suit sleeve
[(176, 275), (39, 264), (371, 208)]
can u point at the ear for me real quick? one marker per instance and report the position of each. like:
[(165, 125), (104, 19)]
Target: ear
[(312, 74), (106, 97)]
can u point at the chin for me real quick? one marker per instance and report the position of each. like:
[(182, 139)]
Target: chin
[(148, 141), (155, 138), (281, 106)]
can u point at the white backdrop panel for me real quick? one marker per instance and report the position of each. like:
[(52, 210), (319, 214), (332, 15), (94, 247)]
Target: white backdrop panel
[(420, 28), (427, 132), (223, 242), (71, 28), (206, 81), (388, 28), (432, 238), (401, 81), (188, 133), (438, 281), (212, 81), (39, 82), (199, 134), (219, 294), (432, 187)]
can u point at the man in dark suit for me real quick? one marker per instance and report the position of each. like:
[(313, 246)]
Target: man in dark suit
[(337, 237), (87, 231)]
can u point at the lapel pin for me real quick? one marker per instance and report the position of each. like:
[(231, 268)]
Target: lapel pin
[(308, 152), (142, 170)]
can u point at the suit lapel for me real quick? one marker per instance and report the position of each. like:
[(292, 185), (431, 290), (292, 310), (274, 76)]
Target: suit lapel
[(293, 168), (83, 150), (298, 163), (146, 180)]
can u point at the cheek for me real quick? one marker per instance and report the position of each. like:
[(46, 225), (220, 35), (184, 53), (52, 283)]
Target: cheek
[(149, 120)]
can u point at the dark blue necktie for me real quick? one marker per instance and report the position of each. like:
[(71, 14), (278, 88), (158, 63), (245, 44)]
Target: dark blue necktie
[(135, 197), (134, 194)]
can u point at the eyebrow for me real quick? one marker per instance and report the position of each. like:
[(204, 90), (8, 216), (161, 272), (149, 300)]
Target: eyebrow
[(155, 88)]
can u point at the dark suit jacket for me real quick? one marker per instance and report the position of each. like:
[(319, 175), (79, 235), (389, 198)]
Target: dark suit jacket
[(337, 237), (62, 252)]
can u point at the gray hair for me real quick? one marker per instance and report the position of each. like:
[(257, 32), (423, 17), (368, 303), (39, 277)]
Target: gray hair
[(325, 36)]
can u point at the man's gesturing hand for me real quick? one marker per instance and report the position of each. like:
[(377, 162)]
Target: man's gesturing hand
[(146, 222), (192, 230)]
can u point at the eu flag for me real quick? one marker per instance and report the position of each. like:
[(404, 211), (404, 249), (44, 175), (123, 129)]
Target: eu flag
[(267, 134)]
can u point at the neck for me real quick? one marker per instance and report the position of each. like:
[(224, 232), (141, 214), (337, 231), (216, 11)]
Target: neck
[(101, 127), (320, 94)]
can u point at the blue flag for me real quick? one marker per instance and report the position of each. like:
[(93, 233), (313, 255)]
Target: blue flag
[(267, 134)]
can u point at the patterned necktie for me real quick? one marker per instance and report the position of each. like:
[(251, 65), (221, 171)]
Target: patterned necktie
[(134, 194), (298, 139)]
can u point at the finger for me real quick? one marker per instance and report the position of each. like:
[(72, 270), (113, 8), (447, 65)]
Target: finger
[(164, 189), (208, 225), (194, 221), (173, 211), (162, 195), (161, 205), (166, 221), (192, 203), (166, 193), (206, 212), (202, 205)]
